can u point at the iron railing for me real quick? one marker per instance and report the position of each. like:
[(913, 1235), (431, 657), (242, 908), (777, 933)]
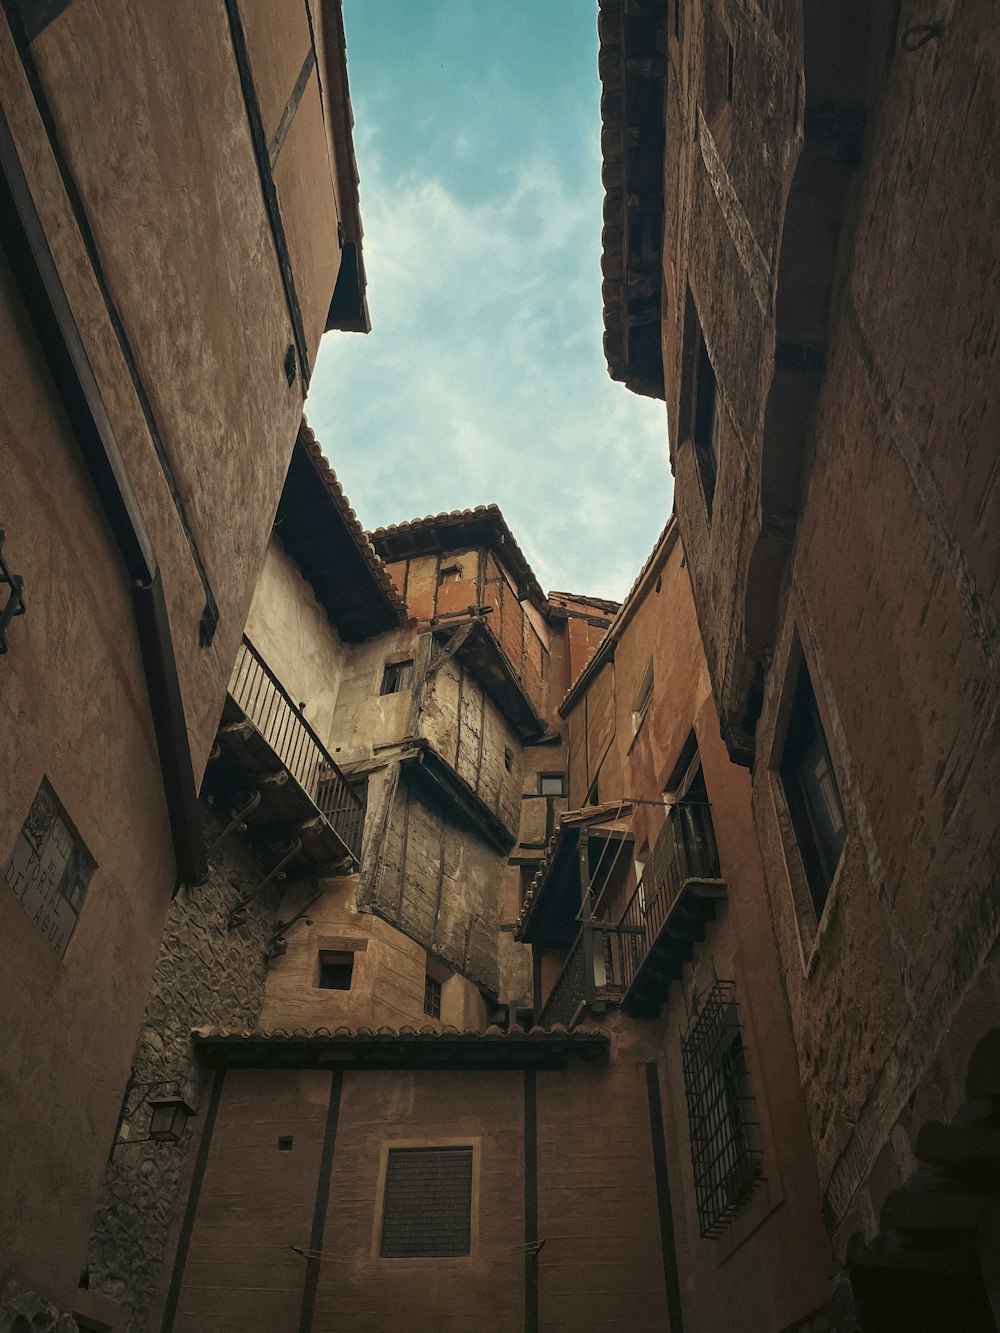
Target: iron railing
[(267, 704), (684, 850)]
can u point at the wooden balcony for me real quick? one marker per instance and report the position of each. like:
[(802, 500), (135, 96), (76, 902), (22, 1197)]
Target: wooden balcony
[(272, 763)]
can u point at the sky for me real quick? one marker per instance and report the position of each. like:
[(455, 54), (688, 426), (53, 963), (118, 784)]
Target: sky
[(483, 379)]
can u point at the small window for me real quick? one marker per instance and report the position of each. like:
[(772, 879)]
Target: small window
[(640, 704), (730, 70), (552, 784), (432, 996), (701, 415), (508, 760), (725, 1156), (336, 971), (397, 676), (449, 574), (810, 787), (677, 19), (427, 1206)]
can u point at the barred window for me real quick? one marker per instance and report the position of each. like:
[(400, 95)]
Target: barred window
[(432, 996), (427, 1210), (725, 1154)]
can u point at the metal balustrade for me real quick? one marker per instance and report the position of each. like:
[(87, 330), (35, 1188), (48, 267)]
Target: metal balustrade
[(266, 703), (685, 850)]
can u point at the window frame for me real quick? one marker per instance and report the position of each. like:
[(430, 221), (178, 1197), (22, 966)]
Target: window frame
[(550, 777), (430, 982), (397, 677), (334, 958), (467, 1141)]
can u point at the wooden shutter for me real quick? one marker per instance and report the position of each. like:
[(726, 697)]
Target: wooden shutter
[(428, 1203)]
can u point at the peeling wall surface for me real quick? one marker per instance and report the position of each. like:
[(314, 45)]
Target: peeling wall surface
[(291, 632), (440, 884)]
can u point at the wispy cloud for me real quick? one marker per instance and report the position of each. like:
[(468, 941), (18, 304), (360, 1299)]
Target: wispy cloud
[(483, 379)]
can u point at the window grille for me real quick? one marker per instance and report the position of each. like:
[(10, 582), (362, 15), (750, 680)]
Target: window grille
[(427, 1209), (725, 1156), (432, 997)]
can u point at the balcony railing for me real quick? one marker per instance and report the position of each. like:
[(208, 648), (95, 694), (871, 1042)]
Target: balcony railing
[(265, 702), (658, 915)]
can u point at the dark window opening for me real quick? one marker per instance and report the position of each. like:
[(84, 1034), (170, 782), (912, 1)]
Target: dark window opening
[(700, 413), (449, 574), (427, 1207), (725, 1153), (432, 997), (284, 1143), (397, 676), (336, 971), (677, 19), (730, 70), (508, 760), (552, 784), (811, 791)]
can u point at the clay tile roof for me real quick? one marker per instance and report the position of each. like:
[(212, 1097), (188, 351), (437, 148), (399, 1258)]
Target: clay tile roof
[(337, 557), (403, 1047), (484, 525), (632, 68)]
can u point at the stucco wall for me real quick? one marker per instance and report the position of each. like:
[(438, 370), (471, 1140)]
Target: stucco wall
[(387, 983), (589, 1212), (291, 632)]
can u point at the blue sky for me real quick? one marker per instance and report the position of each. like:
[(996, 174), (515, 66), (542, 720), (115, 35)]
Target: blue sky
[(483, 379)]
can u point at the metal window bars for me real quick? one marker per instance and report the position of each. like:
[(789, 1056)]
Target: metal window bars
[(725, 1153), (269, 707)]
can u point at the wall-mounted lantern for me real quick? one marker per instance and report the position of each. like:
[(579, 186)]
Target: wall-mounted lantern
[(169, 1112), (169, 1118)]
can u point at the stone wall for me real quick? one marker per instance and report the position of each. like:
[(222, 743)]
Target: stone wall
[(206, 973)]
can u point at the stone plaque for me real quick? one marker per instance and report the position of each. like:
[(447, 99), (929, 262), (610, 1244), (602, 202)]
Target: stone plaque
[(49, 869)]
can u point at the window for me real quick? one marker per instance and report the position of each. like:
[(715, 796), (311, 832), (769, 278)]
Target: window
[(725, 1157), (552, 784), (700, 415), (397, 676), (508, 760), (336, 971), (449, 574), (640, 704), (427, 1206), (730, 70), (677, 19), (432, 996), (810, 787)]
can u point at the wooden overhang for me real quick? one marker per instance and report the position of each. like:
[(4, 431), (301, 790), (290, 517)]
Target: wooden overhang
[(551, 912), (403, 1048), (462, 529), (432, 774), (632, 65), (478, 650), (349, 306), (320, 531)]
